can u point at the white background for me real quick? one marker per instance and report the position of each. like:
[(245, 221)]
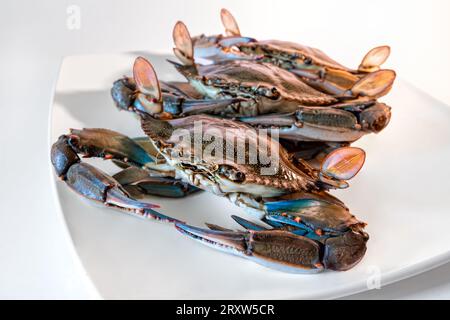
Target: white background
[(37, 259)]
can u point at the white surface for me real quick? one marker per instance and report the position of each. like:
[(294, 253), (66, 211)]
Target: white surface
[(130, 258), (36, 256)]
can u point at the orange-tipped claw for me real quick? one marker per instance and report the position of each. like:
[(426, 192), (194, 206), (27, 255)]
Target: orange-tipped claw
[(343, 163)]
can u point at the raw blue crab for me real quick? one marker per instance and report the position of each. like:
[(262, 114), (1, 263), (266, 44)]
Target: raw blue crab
[(274, 98), (315, 105), (310, 64), (307, 229)]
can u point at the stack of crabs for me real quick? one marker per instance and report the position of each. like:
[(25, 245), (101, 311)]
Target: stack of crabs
[(235, 84)]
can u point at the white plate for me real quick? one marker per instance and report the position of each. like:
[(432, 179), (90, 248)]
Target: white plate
[(402, 192)]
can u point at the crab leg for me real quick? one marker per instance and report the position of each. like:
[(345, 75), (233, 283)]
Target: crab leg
[(96, 185), (248, 224), (311, 232), (138, 182), (143, 163), (109, 144), (298, 126), (275, 249), (337, 123)]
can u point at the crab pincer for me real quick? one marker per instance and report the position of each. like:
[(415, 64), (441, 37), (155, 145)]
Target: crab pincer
[(308, 235), (94, 184), (280, 250)]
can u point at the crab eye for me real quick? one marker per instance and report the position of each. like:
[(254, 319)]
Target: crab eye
[(275, 94), (232, 174)]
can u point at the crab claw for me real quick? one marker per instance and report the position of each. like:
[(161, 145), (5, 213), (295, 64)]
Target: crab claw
[(108, 144), (276, 249), (138, 182), (374, 59), (123, 93), (248, 224), (376, 117), (340, 235), (95, 185)]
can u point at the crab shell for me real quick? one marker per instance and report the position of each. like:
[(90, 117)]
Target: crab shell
[(270, 88), (219, 165), (312, 65), (225, 156)]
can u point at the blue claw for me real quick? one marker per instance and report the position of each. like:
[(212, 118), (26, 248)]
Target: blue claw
[(123, 92), (228, 241), (117, 198), (248, 224), (96, 185), (108, 144), (212, 226), (167, 187), (139, 182), (280, 250)]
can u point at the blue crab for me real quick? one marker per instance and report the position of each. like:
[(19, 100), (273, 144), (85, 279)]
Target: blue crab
[(310, 64), (251, 93), (307, 229), (259, 94)]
